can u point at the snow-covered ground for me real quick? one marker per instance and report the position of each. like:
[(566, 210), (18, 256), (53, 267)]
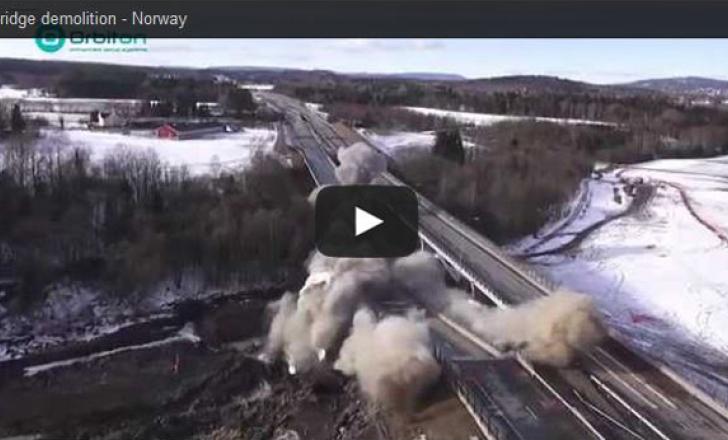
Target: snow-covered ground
[(74, 313), (597, 200), (397, 141), (69, 313), (223, 151), (257, 87), (7, 92), (485, 119), (704, 180), (657, 272), (316, 107), (70, 120), (185, 334)]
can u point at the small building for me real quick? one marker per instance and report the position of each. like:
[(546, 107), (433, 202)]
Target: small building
[(208, 109), (110, 119), (182, 131)]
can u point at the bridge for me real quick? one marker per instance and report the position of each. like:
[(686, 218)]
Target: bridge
[(611, 393)]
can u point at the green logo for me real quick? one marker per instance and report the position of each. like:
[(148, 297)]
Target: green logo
[(50, 38)]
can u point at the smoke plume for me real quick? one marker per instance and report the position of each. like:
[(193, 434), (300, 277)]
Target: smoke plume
[(290, 321), (359, 164), (391, 358), (550, 330), (305, 328)]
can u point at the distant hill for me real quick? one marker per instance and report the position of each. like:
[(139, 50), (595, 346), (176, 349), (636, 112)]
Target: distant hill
[(543, 83), (688, 85), (31, 73), (26, 73), (421, 76), (529, 83), (273, 73)]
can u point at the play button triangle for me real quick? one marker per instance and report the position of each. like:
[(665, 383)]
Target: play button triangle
[(364, 221)]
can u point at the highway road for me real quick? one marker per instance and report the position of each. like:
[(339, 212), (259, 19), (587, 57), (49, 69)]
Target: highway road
[(612, 391)]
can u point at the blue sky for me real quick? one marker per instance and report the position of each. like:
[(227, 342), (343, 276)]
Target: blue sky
[(594, 60)]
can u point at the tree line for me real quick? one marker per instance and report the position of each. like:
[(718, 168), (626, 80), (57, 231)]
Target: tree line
[(528, 171), (670, 134), (173, 95)]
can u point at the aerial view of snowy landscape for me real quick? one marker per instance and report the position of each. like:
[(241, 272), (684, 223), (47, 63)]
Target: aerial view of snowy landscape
[(162, 274)]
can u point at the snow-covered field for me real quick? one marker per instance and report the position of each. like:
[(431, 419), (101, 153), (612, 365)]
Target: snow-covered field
[(659, 272), (7, 92), (257, 87), (703, 180), (11, 93), (70, 120), (397, 141), (485, 119), (223, 151)]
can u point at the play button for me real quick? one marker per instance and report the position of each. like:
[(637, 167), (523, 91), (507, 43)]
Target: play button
[(363, 221), (366, 221)]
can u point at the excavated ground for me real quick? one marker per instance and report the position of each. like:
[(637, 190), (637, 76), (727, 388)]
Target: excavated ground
[(214, 389)]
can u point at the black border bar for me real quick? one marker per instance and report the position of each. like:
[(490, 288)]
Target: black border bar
[(399, 18)]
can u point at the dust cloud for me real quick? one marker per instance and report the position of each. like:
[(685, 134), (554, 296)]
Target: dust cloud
[(391, 358), (359, 164), (304, 329), (551, 330)]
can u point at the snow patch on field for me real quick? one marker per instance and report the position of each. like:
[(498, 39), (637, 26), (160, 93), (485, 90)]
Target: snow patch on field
[(67, 313), (397, 141), (257, 87), (12, 93), (485, 119), (70, 120), (597, 200), (72, 313), (224, 151), (185, 334)]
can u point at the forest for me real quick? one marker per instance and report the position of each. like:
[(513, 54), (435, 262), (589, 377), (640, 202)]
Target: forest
[(131, 222), (522, 181)]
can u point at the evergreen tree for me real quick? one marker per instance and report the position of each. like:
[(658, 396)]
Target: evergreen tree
[(449, 145), (240, 101), (17, 122)]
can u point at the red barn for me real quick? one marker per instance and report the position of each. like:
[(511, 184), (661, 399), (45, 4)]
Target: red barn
[(166, 131), (181, 131)]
